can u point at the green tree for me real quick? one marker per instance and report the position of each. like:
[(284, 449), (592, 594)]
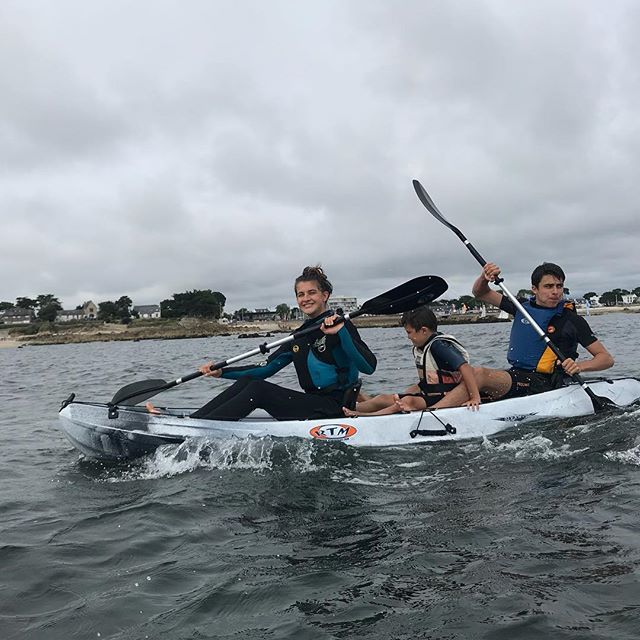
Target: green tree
[(589, 295), (124, 309), (241, 314), (6, 305), (199, 303), (48, 313), (609, 299), (636, 291), (118, 311), (26, 303), (107, 311), (48, 307), (469, 301), (283, 311), (45, 299)]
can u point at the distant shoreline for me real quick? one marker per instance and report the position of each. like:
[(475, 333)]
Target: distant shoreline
[(197, 328)]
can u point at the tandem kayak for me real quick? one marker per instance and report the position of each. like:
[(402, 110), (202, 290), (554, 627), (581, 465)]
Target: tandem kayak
[(108, 432)]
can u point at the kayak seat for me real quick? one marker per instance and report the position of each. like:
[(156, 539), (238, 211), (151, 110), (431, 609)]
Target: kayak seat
[(351, 395)]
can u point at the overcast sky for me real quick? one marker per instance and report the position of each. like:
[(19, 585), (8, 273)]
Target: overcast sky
[(151, 147)]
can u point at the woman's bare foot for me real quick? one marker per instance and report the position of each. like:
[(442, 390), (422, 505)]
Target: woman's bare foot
[(151, 409), (350, 413)]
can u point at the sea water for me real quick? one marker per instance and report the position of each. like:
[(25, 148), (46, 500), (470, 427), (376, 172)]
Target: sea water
[(532, 533)]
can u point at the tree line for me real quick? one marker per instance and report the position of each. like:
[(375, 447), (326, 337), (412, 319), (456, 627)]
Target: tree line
[(199, 303), (613, 297), (205, 303), (46, 306)]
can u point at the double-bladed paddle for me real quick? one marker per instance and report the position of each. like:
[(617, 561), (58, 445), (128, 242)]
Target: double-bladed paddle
[(425, 198), (404, 297)]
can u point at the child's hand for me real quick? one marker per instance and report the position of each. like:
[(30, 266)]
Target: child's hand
[(473, 403)]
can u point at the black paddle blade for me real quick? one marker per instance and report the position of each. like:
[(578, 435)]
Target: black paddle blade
[(430, 205), (406, 296), (142, 390)]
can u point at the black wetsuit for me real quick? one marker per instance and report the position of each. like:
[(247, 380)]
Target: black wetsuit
[(326, 365)]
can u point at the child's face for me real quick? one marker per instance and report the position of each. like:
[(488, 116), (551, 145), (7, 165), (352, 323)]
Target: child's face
[(419, 336)]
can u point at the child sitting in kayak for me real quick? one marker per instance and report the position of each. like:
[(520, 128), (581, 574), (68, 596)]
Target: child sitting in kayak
[(442, 364)]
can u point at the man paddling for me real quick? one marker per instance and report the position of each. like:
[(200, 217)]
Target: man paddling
[(534, 366)]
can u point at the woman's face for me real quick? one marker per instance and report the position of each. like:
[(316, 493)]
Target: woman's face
[(310, 298)]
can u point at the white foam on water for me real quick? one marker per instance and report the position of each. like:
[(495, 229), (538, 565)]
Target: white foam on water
[(580, 429), (533, 447), (257, 454), (388, 480), (630, 456)]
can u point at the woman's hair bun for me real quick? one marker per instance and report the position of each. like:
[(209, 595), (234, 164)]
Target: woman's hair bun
[(316, 274)]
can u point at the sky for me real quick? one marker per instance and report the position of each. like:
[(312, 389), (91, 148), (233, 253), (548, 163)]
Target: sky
[(153, 147)]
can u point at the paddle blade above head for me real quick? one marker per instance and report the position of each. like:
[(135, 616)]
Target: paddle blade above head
[(407, 296), (430, 205)]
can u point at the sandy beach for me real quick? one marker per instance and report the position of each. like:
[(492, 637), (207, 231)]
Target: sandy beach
[(8, 344)]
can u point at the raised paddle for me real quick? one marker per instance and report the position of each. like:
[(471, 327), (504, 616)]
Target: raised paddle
[(404, 297), (425, 198)]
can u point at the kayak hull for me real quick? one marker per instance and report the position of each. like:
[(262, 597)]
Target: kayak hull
[(131, 432)]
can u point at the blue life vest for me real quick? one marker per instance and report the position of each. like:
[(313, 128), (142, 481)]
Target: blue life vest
[(527, 350)]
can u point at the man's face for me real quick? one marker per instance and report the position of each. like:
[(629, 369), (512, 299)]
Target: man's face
[(549, 292)]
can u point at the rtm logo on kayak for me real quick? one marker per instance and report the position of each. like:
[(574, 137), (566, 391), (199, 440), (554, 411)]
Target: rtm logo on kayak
[(333, 432)]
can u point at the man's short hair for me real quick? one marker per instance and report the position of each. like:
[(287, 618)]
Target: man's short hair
[(546, 269)]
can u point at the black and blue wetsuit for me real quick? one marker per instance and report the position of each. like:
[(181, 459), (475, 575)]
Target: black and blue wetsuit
[(326, 365)]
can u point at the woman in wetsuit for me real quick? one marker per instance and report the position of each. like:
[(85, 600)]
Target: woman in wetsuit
[(327, 363)]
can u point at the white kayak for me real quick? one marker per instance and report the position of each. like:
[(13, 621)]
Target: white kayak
[(108, 432)]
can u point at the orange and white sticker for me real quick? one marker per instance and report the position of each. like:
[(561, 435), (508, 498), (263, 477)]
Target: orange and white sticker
[(333, 432)]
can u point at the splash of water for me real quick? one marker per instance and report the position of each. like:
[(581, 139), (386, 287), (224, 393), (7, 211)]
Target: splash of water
[(532, 447), (630, 456), (262, 455)]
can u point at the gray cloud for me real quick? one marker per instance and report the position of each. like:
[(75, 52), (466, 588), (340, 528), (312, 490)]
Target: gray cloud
[(157, 147)]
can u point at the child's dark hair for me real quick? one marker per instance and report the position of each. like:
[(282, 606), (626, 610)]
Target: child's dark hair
[(546, 269), (420, 317), (314, 274)]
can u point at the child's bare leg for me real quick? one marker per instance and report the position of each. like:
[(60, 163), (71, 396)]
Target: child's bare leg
[(379, 405), (390, 408), (376, 403)]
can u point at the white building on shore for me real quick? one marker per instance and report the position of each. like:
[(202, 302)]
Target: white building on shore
[(346, 303), (87, 311), (148, 310)]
